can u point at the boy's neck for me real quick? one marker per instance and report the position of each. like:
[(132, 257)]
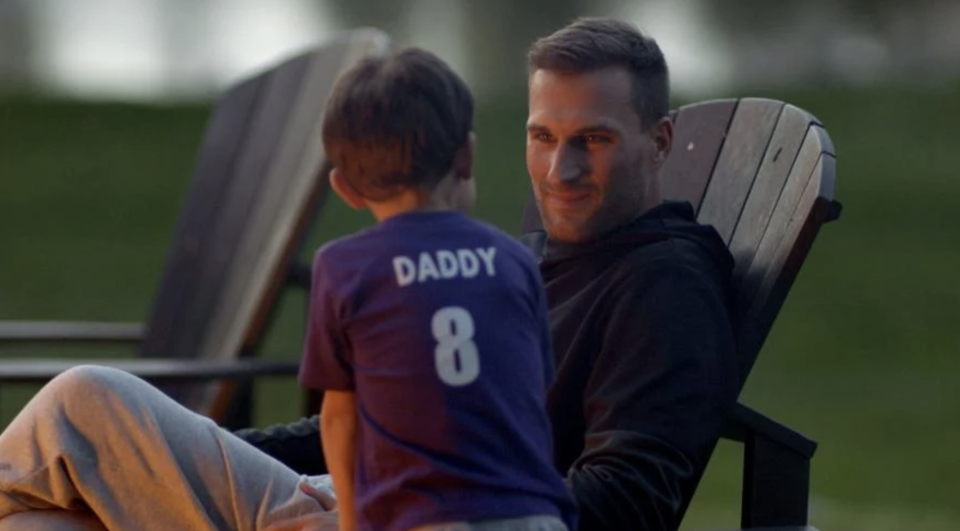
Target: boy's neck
[(415, 200), (406, 202)]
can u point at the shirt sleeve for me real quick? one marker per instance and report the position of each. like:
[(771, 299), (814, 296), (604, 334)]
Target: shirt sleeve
[(546, 344), (663, 381), (327, 361), (542, 314)]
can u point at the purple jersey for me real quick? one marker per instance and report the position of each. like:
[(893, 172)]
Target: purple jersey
[(438, 323)]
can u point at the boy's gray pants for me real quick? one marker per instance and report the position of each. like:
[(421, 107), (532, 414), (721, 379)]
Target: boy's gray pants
[(99, 449)]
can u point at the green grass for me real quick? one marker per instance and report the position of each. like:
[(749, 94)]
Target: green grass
[(862, 358)]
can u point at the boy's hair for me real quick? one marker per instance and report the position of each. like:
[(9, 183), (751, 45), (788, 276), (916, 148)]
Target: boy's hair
[(590, 44), (395, 122)]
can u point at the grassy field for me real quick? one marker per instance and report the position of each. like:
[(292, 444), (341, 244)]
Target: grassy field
[(864, 357)]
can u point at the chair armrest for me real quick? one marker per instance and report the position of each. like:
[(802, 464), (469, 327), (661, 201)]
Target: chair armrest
[(153, 369), (776, 471), (744, 422), (69, 332), (790, 528)]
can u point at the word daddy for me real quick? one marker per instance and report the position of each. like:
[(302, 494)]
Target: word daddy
[(443, 264)]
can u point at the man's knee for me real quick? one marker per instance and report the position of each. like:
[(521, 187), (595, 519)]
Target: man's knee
[(90, 388), (84, 382)]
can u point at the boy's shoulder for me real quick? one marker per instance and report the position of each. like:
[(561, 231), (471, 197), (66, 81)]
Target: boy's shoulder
[(388, 240), (505, 241)]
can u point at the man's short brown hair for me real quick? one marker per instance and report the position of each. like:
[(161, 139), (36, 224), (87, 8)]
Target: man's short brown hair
[(396, 122), (590, 44)]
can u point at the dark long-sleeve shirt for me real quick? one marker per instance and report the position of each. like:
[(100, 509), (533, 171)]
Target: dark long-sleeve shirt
[(646, 370), (646, 366)]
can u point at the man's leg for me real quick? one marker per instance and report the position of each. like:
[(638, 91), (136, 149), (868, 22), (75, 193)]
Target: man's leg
[(102, 440), (53, 520)]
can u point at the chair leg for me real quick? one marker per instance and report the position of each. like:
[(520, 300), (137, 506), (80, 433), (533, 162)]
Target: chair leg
[(776, 484), (239, 413)]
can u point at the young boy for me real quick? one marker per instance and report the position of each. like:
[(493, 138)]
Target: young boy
[(428, 332)]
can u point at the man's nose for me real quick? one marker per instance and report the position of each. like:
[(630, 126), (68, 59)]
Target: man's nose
[(567, 166)]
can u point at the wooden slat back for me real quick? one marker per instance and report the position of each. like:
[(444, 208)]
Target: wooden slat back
[(698, 135), (787, 149), (768, 157), (805, 202), (733, 176), (222, 145), (229, 207), (255, 221)]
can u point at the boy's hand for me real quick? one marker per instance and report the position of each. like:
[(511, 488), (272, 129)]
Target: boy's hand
[(325, 521), (320, 488)]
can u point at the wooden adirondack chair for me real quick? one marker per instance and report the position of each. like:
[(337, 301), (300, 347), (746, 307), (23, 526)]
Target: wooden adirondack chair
[(762, 172), (259, 179)]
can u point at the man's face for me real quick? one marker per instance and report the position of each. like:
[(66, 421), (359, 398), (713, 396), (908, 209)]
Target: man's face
[(592, 165)]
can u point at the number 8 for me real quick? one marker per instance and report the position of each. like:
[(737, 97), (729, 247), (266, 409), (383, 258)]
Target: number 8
[(453, 329)]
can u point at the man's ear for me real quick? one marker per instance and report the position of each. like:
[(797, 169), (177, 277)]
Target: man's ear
[(345, 191), (663, 138), (463, 160)]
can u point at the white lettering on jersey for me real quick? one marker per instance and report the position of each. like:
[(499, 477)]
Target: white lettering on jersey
[(444, 264), (405, 269), (487, 256), (427, 269)]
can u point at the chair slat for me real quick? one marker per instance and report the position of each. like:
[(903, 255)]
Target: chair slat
[(784, 150), (291, 180), (743, 150), (232, 205), (804, 205), (699, 133), (294, 181), (256, 218), (223, 141), (240, 200), (772, 238)]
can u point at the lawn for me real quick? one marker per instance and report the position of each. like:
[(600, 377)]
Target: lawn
[(860, 358)]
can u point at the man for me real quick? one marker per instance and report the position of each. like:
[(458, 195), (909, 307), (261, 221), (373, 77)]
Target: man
[(637, 294)]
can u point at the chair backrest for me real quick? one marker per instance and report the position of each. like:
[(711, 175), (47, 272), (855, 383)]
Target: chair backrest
[(762, 173), (258, 181)]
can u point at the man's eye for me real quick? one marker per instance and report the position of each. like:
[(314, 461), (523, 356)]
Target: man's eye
[(597, 139), (542, 137)]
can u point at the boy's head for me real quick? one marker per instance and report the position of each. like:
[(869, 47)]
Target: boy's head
[(397, 124)]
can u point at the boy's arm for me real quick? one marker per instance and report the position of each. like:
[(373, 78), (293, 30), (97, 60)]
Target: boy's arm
[(338, 433)]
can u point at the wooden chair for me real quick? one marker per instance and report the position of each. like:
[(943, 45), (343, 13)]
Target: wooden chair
[(259, 178), (762, 172)]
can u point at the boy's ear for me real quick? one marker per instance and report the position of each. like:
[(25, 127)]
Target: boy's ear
[(345, 191), (463, 161)]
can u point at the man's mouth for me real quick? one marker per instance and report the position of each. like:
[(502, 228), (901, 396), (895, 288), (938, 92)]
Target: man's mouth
[(573, 199)]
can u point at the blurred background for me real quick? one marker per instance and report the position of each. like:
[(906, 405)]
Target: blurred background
[(103, 104)]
